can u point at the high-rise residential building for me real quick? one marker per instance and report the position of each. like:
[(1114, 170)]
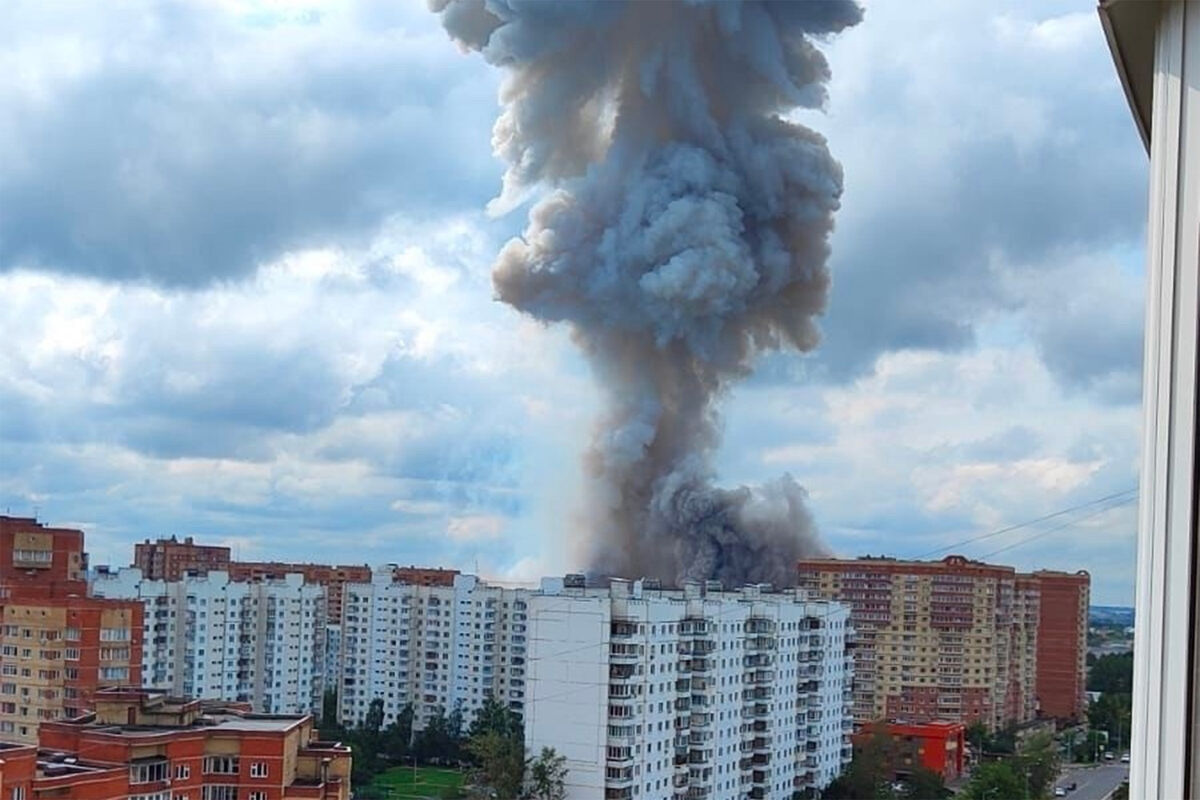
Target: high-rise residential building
[(148, 746), (694, 693), (39, 561), (171, 559), (57, 652), (953, 639), (333, 578), (1062, 643), (210, 637), (431, 647)]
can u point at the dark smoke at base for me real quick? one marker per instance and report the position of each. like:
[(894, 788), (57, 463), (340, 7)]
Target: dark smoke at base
[(685, 232)]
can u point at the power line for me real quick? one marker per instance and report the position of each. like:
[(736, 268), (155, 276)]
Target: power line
[(1056, 528), (1030, 522)]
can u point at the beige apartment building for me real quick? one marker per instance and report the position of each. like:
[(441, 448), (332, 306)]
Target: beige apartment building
[(953, 639), (56, 653)]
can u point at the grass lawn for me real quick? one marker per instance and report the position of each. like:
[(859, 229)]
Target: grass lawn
[(399, 783)]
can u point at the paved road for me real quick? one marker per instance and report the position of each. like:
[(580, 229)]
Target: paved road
[(1094, 783)]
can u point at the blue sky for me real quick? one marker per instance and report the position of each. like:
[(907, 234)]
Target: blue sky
[(245, 256)]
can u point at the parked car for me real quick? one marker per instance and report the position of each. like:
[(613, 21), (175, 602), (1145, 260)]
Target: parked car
[(1060, 791), (1124, 758), (1109, 756)]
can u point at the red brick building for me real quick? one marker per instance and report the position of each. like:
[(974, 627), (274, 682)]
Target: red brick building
[(937, 746), (1062, 643), (57, 652), (38, 561), (171, 559), (143, 744)]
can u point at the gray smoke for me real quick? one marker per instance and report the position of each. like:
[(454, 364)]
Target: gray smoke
[(686, 231)]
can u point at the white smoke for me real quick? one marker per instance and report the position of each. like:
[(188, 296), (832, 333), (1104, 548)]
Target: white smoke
[(686, 231)]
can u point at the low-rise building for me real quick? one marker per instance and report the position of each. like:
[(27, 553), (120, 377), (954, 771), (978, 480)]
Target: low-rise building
[(145, 745), (688, 693), (207, 636), (938, 746)]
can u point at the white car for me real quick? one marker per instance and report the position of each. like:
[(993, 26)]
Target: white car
[(1125, 758), (1060, 791)]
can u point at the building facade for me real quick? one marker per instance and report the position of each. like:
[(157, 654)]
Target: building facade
[(697, 693), (939, 747), (436, 648), (210, 637), (39, 561), (171, 559), (951, 639), (55, 655), (141, 745), (1062, 643)]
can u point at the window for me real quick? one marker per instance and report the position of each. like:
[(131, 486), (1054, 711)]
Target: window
[(18, 793), (258, 796), (71, 634), (149, 771), (114, 673), (258, 769), (114, 634), (182, 772), (220, 793), (220, 765), (72, 654), (114, 653), (164, 795)]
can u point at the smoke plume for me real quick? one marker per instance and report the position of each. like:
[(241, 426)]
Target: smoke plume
[(685, 231)]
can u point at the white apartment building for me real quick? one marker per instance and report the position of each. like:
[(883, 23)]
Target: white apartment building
[(698, 693), (259, 642), (434, 647)]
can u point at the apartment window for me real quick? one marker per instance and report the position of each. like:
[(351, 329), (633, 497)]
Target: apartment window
[(220, 793), (114, 673), (72, 673), (258, 796), (165, 795), (72, 654), (149, 771), (258, 769), (18, 793), (221, 765), (182, 772), (71, 634), (114, 653), (114, 634)]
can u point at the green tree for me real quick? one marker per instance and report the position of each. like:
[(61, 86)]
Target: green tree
[(977, 736), (1112, 673), (548, 775), (328, 726), (1113, 712), (1086, 750), (494, 716), (441, 739), (1038, 761), (396, 738), (996, 780), (501, 761), (868, 776), (924, 784)]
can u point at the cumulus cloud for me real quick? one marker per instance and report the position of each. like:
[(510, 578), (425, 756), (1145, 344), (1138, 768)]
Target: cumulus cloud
[(186, 143), (990, 136)]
